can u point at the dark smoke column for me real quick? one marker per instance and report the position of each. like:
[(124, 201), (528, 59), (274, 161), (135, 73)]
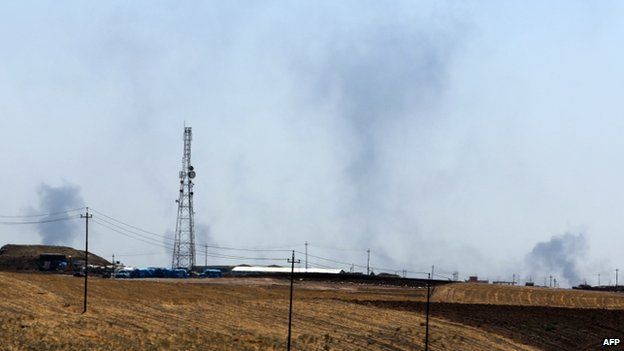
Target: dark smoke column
[(184, 245), (60, 202)]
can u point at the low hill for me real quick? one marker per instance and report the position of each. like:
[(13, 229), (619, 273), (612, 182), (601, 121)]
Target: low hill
[(25, 257)]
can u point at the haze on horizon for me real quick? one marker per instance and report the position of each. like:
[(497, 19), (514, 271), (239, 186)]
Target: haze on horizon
[(483, 138)]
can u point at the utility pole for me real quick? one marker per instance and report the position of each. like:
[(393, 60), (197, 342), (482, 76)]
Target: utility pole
[(306, 253), (616, 278), (598, 279), (113, 273), (292, 279), (205, 256), (432, 268), (368, 262), (86, 272), (427, 314), (550, 284)]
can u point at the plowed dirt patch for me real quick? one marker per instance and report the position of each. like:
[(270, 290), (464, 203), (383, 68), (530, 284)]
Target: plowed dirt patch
[(547, 328)]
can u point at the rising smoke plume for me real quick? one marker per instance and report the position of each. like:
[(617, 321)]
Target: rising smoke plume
[(384, 83), (559, 256), (55, 201), (203, 234)]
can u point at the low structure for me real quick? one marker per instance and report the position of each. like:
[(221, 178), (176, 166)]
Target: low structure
[(52, 262), (475, 279), (504, 282), (151, 272), (211, 273)]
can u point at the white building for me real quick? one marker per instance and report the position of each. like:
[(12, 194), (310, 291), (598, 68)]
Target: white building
[(262, 269)]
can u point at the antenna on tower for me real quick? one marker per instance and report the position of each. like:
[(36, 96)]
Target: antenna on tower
[(184, 244)]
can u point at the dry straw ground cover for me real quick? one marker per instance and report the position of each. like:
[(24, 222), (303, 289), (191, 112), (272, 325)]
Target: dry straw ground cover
[(42, 312)]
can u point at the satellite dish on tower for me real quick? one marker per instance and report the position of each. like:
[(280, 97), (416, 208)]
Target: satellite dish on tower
[(191, 172)]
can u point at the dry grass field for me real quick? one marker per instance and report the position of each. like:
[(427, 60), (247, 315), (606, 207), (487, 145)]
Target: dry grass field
[(43, 312)]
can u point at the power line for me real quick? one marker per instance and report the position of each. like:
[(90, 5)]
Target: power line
[(172, 240), (38, 222), (364, 267), (134, 232), (142, 238), (43, 214), (367, 266), (313, 264), (441, 276), (130, 225), (246, 249), (168, 246), (368, 251), (336, 248), (246, 258), (327, 259), (162, 245)]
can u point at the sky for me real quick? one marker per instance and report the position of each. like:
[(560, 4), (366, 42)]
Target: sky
[(479, 137)]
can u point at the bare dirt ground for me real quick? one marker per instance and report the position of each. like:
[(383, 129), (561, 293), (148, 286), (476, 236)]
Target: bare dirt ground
[(42, 312)]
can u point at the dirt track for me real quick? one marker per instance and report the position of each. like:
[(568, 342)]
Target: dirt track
[(43, 312)]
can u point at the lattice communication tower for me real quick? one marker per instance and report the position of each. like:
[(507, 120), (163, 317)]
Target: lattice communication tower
[(184, 245)]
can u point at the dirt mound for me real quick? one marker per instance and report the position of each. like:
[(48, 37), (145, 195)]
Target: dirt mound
[(26, 257)]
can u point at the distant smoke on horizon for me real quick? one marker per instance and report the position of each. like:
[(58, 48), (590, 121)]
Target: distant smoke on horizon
[(203, 236), (383, 87), (559, 255), (54, 201)]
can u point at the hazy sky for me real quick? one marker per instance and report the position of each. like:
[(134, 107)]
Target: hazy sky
[(460, 135)]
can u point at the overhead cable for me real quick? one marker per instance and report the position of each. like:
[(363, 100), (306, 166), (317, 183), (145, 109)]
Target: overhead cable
[(38, 222), (43, 214)]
